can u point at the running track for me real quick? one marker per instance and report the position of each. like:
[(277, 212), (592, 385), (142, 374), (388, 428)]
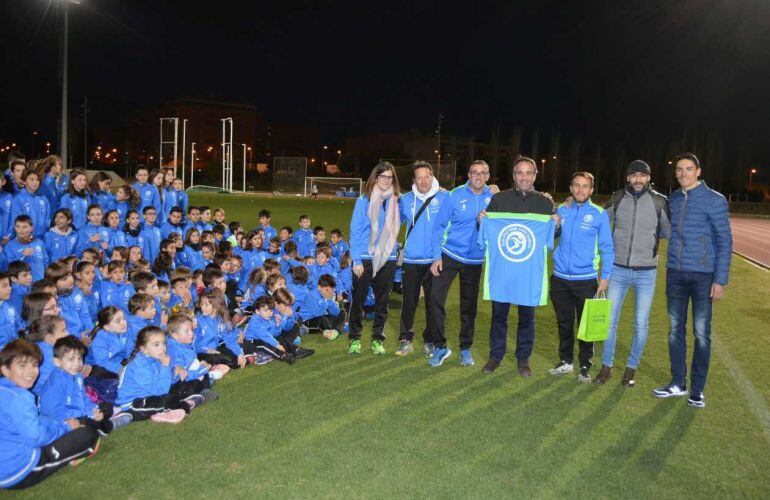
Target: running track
[(751, 239)]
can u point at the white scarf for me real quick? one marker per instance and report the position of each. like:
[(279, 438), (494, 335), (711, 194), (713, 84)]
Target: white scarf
[(381, 245)]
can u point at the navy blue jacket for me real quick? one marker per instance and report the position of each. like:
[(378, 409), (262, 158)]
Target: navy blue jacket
[(701, 239)]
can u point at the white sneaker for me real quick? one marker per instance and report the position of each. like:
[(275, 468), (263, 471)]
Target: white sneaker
[(562, 368)]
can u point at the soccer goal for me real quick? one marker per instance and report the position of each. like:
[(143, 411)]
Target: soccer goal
[(334, 187)]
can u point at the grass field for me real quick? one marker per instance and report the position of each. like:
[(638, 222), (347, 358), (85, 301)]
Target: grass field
[(339, 426)]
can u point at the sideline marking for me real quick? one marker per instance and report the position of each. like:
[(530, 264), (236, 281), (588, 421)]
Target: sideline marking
[(753, 262), (757, 403)]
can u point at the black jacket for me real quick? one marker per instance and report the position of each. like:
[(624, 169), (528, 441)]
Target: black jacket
[(515, 201)]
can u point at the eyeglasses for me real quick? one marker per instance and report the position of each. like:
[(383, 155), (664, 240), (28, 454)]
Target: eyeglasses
[(478, 174), (384, 177), (54, 307)]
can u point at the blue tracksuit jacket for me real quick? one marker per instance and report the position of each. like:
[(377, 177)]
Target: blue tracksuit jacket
[(456, 230), (586, 234), (360, 227), (418, 248), (144, 377), (78, 205), (64, 396)]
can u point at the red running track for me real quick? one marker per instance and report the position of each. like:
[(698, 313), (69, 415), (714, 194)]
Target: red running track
[(751, 239)]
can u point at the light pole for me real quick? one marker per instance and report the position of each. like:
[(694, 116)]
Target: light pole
[(184, 147), (244, 167), (555, 165), (323, 155), (751, 177), (192, 162), (65, 42), (542, 169)]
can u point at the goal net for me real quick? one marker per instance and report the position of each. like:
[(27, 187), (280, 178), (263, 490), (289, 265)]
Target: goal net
[(444, 172), (289, 175), (340, 187)]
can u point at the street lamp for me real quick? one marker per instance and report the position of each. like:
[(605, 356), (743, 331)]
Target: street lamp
[(323, 155), (751, 177)]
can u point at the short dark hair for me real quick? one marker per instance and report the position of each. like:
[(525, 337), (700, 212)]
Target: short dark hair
[(17, 267), (421, 164), (142, 279), (587, 175), (687, 156), (264, 213), (327, 280), (300, 275), (264, 301), (68, 344), (211, 274), (303, 216), (525, 159)]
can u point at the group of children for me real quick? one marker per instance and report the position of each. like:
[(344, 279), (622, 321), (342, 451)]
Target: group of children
[(130, 307)]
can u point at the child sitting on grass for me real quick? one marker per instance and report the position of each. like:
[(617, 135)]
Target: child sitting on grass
[(64, 394), (179, 345), (44, 332), (216, 340), (109, 350), (320, 309), (32, 446), (145, 387)]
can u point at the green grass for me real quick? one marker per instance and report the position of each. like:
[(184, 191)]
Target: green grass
[(336, 425)]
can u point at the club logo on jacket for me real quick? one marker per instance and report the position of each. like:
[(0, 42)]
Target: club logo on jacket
[(434, 202), (516, 242)]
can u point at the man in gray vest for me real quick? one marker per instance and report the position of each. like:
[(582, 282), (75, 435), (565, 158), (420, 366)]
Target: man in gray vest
[(640, 217)]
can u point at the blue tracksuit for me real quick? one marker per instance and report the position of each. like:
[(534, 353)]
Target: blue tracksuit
[(252, 292), (123, 207), (9, 323), (152, 239), (360, 228), (136, 238), (144, 377), (6, 225), (59, 245), (339, 249), (345, 281), (270, 232), (64, 396), (74, 310), (305, 242), (18, 292), (93, 301), (37, 261), (78, 205), (701, 240), (418, 248), (299, 291), (192, 259), (211, 332), (46, 365), (135, 324), (184, 355), (34, 205), (586, 233), (115, 294), (192, 225), (316, 305), (262, 329), (167, 228), (23, 431), (84, 237), (458, 228), (117, 239), (108, 350), (317, 271), (51, 194), (104, 199), (148, 197)]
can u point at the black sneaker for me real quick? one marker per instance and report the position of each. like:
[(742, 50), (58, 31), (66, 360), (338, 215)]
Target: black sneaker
[(584, 377), (697, 400), (669, 391), (302, 352)]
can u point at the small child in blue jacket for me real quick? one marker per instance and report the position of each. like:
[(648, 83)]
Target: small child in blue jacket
[(32, 446), (320, 309), (108, 352), (64, 394)]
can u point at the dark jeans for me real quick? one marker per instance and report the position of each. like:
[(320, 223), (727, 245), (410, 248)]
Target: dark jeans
[(381, 284), (470, 277), (568, 298), (416, 277), (498, 332), (74, 445), (681, 289), (326, 322)]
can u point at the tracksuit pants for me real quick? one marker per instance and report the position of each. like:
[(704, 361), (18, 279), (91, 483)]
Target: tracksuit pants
[(326, 322), (415, 278), (568, 298), (224, 357), (382, 283), (470, 278)]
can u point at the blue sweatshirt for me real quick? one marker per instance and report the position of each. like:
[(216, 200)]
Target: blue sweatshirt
[(305, 241), (184, 355), (299, 291), (115, 294), (9, 323), (144, 377), (6, 227), (316, 305), (123, 207), (60, 245), (152, 239), (117, 239), (23, 431), (418, 247), (108, 350), (262, 329), (167, 228), (360, 228), (84, 238), (64, 396), (51, 194), (585, 235), (37, 261), (135, 325), (46, 366), (18, 292), (78, 205), (34, 205), (74, 310), (211, 332), (345, 280), (339, 249), (148, 197), (270, 232), (457, 231), (104, 199)]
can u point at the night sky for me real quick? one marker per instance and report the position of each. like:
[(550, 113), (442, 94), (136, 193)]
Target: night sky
[(630, 71)]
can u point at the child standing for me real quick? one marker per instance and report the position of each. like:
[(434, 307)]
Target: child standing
[(61, 240), (26, 248), (93, 234)]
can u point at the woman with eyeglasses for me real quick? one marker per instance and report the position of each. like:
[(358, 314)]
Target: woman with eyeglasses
[(373, 232)]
